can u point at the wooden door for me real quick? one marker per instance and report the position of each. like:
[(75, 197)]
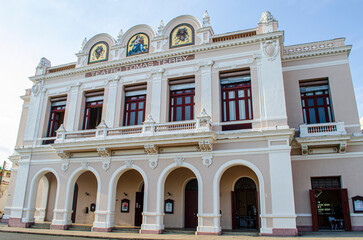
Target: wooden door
[(74, 205), (233, 204), (139, 206), (345, 208), (191, 204), (314, 210)]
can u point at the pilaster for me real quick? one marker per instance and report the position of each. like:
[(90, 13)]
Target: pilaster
[(72, 106), (111, 102), (157, 75), (206, 85), (282, 196)]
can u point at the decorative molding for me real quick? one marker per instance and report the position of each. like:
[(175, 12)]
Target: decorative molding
[(179, 160), (175, 52), (153, 162), (84, 164), (65, 165), (207, 160), (206, 63), (233, 64), (270, 49), (205, 146), (103, 152), (315, 65), (151, 149), (36, 88), (64, 155), (129, 163), (106, 163)]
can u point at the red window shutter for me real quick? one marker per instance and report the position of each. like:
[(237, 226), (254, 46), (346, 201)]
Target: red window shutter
[(314, 210), (346, 212)]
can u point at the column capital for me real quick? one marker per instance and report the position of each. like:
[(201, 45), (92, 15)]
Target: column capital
[(206, 63)]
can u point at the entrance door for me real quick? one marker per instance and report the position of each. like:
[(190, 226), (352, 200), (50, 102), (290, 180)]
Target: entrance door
[(330, 209), (191, 204), (139, 206), (74, 205), (244, 205)]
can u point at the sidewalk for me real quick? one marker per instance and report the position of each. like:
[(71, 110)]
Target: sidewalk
[(117, 235)]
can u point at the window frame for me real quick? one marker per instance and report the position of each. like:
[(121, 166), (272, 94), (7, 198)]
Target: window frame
[(51, 131), (327, 104), (128, 111), (173, 104), (248, 105), (92, 104)]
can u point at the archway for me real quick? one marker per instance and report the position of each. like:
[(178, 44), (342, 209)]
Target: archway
[(244, 204), (84, 199), (239, 199), (129, 202), (180, 188), (45, 198)]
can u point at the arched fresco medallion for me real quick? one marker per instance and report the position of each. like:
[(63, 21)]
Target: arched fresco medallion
[(138, 44), (182, 35), (98, 53)]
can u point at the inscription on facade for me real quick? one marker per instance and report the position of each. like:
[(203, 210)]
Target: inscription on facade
[(141, 65)]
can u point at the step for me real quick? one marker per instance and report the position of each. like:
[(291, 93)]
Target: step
[(180, 231), (126, 229), (40, 226), (80, 228)]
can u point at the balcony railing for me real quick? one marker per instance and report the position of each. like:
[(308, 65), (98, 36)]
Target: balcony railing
[(322, 129), (149, 128)]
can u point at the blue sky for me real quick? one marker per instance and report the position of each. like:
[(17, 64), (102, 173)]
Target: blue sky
[(55, 29)]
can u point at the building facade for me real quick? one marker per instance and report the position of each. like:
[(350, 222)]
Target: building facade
[(184, 128)]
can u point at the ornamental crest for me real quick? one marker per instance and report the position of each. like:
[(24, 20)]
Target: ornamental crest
[(98, 53), (138, 44), (182, 35)]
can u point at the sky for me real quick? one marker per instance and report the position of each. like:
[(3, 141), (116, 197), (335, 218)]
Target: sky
[(55, 29)]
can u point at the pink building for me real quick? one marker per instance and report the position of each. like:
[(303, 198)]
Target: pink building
[(181, 128)]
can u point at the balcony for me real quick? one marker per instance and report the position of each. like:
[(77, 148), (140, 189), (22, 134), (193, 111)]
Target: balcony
[(322, 129), (323, 138), (164, 134)]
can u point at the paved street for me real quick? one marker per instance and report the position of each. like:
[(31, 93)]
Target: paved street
[(25, 236)]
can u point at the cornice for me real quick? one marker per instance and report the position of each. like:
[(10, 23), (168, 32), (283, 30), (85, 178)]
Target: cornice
[(159, 55), (317, 53)]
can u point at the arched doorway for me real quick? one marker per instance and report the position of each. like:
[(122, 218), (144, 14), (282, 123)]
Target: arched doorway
[(244, 204), (84, 199), (181, 199), (45, 198), (129, 203), (191, 204), (239, 200)]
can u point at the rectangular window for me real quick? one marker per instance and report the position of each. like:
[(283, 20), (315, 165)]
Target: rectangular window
[(93, 110), (56, 118), (236, 96), (134, 112), (325, 182), (182, 100), (315, 101)]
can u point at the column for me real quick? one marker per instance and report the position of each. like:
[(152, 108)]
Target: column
[(157, 75), (282, 194), (72, 107), (209, 218), (18, 209), (111, 101), (153, 215), (206, 85)]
